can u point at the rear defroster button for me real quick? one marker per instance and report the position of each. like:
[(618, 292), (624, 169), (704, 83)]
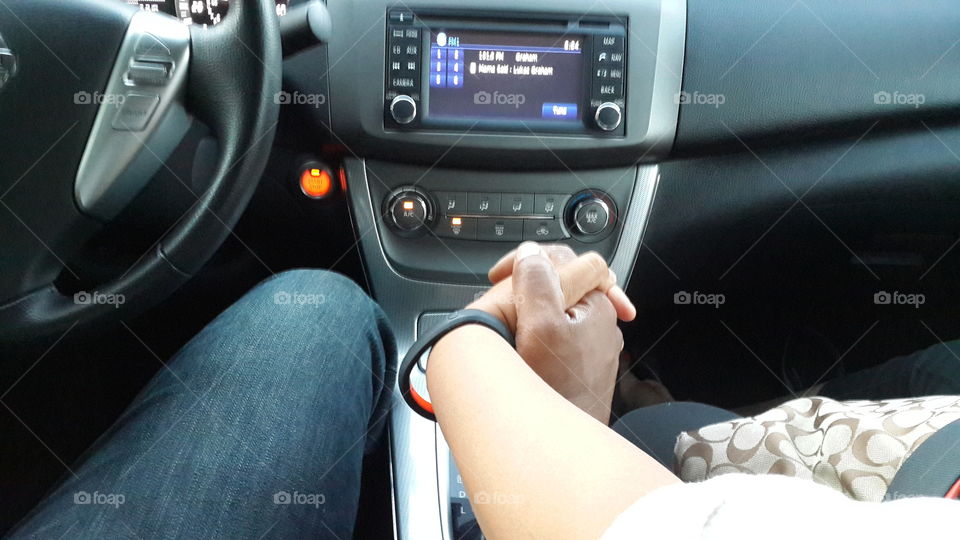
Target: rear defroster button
[(500, 230)]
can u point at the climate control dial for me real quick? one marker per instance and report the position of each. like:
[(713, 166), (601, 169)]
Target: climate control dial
[(591, 215), (408, 211)]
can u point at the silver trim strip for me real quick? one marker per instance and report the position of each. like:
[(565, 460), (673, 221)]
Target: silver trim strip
[(635, 222)]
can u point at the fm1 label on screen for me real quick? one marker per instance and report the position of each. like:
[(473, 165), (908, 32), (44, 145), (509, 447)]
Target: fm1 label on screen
[(505, 75)]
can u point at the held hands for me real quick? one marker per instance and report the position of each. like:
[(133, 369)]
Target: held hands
[(563, 310)]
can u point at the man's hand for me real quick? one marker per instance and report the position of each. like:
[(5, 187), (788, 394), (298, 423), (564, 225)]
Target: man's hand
[(560, 255), (565, 324), (501, 299)]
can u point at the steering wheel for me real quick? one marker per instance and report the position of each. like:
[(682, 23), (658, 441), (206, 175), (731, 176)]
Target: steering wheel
[(94, 95)]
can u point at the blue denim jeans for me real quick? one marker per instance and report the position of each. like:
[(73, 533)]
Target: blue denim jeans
[(256, 429)]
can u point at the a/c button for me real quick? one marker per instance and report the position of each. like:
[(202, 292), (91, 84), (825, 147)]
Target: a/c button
[(500, 230)]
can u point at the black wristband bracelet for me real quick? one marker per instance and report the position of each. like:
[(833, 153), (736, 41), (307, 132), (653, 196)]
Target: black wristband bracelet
[(455, 320)]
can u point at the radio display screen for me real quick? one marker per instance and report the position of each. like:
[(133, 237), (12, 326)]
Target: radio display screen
[(497, 75)]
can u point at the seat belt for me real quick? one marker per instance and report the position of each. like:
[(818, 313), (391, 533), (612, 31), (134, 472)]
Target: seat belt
[(932, 470)]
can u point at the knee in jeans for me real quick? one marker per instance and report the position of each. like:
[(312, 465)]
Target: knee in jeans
[(318, 292), (309, 303)]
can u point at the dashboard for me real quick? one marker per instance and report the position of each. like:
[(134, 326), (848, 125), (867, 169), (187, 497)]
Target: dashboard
[(199, 12)]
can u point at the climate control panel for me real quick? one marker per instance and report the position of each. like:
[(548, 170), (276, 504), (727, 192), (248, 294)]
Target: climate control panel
[(587, 216)]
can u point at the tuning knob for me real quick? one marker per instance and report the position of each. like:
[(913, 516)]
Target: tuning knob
[(608, 116), (403, 109)]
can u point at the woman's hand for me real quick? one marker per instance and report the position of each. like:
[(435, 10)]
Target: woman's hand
[(560, 255), (589, 269), (564, 322)]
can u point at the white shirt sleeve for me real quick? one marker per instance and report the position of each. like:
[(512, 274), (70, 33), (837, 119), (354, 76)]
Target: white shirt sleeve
[(742, 507)]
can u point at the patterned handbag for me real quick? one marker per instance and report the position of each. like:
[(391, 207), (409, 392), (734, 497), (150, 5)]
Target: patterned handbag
[(856, 447)]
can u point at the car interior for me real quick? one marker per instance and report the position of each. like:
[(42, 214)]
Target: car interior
[(774, 183)]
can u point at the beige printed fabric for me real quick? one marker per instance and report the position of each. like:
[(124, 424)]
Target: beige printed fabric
[(855, 447)]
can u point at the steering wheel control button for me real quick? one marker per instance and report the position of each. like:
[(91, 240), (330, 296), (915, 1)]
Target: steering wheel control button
[(148, 73), (608, 116), (487, 204), (135, 112), (403, 109), (542, 230), (517, 204), (461, 228), (500, 230), (114, 169)]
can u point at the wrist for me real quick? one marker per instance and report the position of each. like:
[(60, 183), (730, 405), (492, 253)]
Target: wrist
[(450, 347), (431, 341), (492, 308), (456, 354)]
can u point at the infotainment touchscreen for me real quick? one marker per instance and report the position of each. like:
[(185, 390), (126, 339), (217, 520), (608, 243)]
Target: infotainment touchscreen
[(491, 75)]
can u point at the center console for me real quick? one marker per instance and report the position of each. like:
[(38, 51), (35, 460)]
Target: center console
[(472, 127)]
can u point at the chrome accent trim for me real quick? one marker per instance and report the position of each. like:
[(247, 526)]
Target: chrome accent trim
[(542, 217), (118, 163), (635, 222), (443, 484)]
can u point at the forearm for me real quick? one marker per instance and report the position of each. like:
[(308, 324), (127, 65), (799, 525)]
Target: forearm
[(548, 469)]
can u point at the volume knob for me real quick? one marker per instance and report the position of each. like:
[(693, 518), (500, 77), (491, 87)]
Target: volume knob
[(608, 116), (403, 109)]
